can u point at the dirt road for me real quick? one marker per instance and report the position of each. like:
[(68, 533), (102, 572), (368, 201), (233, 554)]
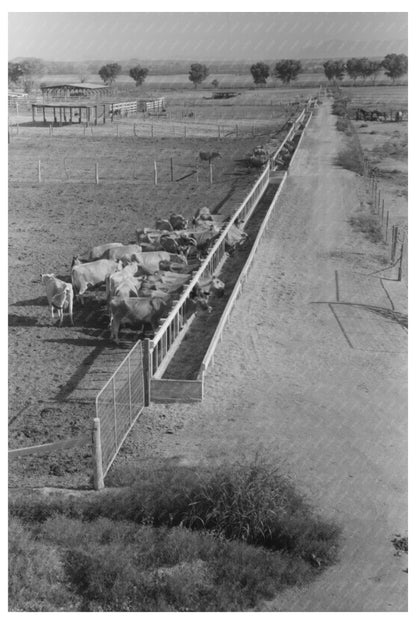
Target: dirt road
[(312, 369)]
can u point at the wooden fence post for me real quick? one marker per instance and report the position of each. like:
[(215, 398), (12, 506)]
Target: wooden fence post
[(151, 131), (97, 455), (197, 174), (171, 169), (382, 212), (134, 129), (399, 276), (394, 234), (155, 172), (210, 173), (184, 131), (39, 173), (387, 222), (96, 173)]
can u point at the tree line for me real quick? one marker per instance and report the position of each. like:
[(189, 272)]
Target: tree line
[(393, 65), (287, 70)]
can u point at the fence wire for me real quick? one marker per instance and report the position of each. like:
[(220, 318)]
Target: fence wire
[(119, 404)]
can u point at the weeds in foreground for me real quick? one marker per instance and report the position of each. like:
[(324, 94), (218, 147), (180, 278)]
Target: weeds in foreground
[(174, 540)]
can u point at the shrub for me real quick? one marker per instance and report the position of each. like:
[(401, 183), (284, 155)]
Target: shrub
[(350, 159), (344, 125), (369, 226)]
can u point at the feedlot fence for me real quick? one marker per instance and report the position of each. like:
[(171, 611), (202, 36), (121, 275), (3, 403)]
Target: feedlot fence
[(118, 405)]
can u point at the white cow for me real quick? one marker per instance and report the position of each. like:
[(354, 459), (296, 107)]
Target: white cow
[(60, 296), (116, 283), (91, 274)]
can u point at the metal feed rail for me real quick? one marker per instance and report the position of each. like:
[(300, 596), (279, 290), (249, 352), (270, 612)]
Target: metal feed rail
[(292, 130), (172, 325)]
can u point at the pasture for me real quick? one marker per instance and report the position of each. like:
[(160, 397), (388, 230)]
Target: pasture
[(55, 373), (383, 98)]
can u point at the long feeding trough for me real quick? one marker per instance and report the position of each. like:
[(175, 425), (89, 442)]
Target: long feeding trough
[(177, 365), (181, 376)]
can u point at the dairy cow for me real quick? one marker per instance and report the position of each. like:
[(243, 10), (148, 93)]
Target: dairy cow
[(60, 296), (83, 276)]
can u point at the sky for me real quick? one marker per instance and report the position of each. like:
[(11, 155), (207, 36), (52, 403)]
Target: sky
[(231, 35)]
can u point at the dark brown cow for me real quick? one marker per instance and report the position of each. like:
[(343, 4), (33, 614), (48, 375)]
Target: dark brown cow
[(209, 156), (136, 311)]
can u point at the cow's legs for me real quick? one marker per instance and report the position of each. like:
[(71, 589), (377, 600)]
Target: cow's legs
[(70, 309), (115, 327), (52, 312)]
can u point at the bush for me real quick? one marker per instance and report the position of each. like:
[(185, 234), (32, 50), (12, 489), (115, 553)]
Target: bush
[(344, 125), (350, 159), (369, 226)]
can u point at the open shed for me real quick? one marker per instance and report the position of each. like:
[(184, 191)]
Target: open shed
[(76, 89)]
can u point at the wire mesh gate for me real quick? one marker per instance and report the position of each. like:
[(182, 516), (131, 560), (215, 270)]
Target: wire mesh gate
[(118, 406)]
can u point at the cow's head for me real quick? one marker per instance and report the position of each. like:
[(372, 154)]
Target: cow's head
[(45, 277), (217, 287)]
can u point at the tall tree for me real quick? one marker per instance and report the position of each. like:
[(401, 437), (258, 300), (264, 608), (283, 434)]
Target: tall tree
[(334, 70), (374, 68), (197, 73), (138, 74), (395, 65), (260, 72), (15, 72), (353, 68), (287, 70), (32, 68), (108, 73)]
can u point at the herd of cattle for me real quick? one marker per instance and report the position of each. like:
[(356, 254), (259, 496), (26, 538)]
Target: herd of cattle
[(142, 279), (260, 157)]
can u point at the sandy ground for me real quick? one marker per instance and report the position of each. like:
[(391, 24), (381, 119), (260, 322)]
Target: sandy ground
[(313, 371)]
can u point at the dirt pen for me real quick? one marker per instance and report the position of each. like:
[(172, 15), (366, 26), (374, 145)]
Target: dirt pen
[(69, 408)]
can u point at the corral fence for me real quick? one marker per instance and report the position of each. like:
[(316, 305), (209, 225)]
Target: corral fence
[(118, 405), (393, 235)]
